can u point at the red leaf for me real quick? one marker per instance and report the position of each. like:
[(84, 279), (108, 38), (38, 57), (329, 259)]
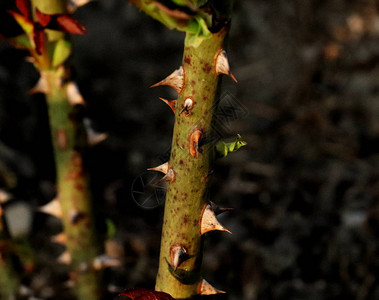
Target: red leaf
[(24, 7), (145, 294), (68, 24), (38, 37), (42, 18)]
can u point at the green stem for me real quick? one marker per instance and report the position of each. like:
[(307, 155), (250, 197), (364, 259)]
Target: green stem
[(187, 195), (73, 190), (72, 182)]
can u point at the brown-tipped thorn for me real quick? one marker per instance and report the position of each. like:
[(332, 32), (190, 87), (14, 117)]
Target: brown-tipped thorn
[(73, 94), (65, 258), (171, 103), (52, 208), (209, 221), (161, 168), (205, 288), (105, 261), (178, 255), (193, 141), (222, 64), (60, 238), (175, 80)]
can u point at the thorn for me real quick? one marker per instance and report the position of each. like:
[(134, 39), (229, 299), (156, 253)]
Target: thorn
[(170, 176), (193, 141), (73, 5), (60, 238), (188, 106), (93, 137), (175, 80), (206, 289), (178, 255), (171, 103), (30, 59), (52, 208), (209, 221), (105, 261), (42, 86), (4, 196), (65, 258), (161, 168), (222, 64), (73, 94)]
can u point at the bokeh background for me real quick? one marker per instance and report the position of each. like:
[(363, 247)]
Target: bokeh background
[(305, 189)]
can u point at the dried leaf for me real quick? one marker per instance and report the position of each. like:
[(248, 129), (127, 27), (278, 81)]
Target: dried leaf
[(24, 7), (145, 294), (68, 24), (38, 38), (43, 18), (174, 13), (23, 21)]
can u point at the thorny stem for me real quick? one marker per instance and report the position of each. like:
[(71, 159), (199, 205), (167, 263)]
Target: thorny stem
[(71, 179), (187, 194)]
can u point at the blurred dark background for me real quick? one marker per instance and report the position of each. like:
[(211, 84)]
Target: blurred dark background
[(305, 189)]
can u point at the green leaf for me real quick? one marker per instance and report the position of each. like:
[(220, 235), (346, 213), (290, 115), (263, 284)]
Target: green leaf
[(197, 30), (62, 51), (21, 42), (223, 149)]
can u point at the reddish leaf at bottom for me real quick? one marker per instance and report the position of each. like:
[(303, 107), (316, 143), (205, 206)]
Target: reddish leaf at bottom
[(145, 294)]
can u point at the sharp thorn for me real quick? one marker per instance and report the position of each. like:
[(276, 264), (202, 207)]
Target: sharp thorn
[(60, 238), (178, 255), (42, 86), (73, 94), (205, 288), (175, 80), (65, 258), (161, 168), (171, 103), (209, 221), (52, 208), (222, 64)]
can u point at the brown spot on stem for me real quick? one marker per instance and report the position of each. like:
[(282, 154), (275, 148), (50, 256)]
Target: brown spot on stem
[(193, 141), (62, 139), (207, 68), (187, 60)]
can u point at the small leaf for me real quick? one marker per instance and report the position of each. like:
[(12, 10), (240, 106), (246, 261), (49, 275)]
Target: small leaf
[(223, 149), (21, 42), (198, 31), (68, 24), (23, 21), (42, 18), (145, 294), (61, 52), (24, 7)]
